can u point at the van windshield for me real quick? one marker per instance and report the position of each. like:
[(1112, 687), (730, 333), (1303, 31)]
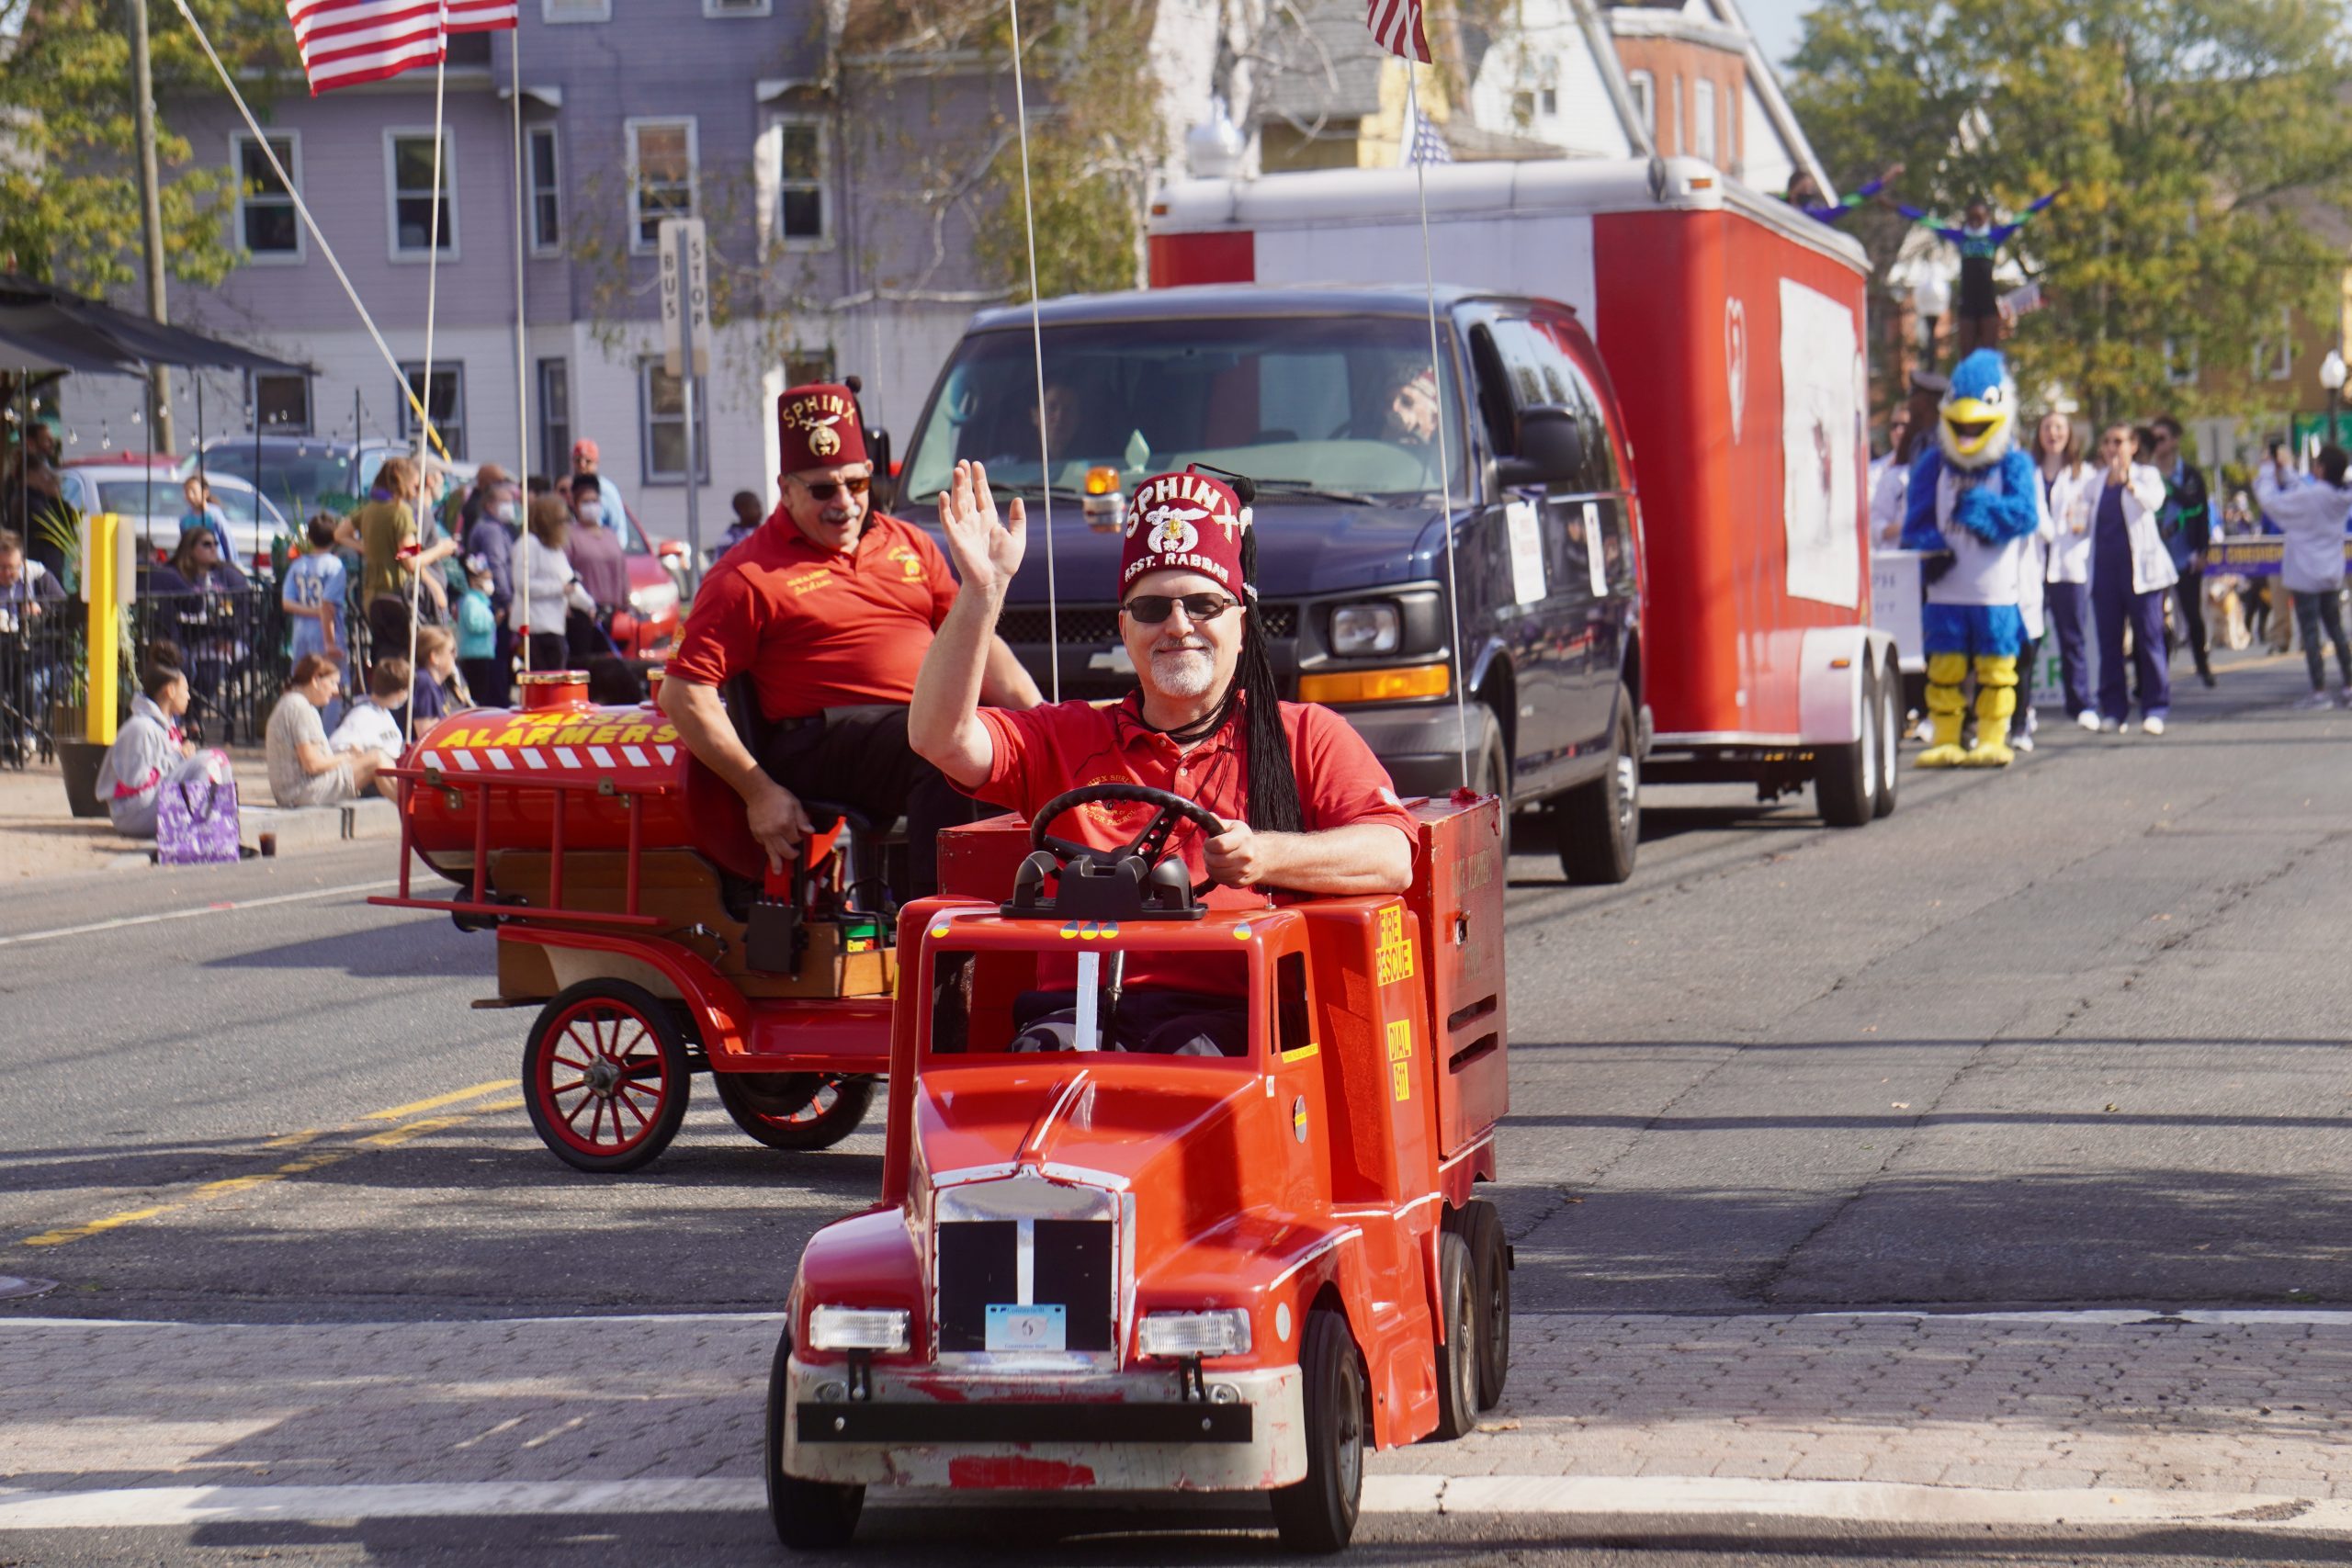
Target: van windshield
[(1335, 403)]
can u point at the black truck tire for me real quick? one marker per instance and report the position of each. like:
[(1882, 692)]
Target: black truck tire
[(1317, 1513), (1599, 825), (1457, 1356), (808, 1516), (1845, 777)]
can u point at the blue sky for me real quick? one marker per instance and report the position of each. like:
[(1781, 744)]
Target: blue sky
[(1776, 23)]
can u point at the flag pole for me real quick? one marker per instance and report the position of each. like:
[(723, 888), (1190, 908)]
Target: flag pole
[(1037, 343), (424, 431), (1444, 475), (303, 209)]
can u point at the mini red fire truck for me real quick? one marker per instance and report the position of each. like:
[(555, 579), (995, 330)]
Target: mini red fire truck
[(1099, 1265), (635, 912)]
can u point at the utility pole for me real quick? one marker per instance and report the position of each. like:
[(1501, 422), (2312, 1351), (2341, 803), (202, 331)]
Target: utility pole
[(151, 210)]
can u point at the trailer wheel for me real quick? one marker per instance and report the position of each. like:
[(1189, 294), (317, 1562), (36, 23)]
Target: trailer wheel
[(1318, 1513), (1890, 734), (808, 1516), (1599, 825), (1482, 1227), (604, 1076), (795, 1111), (1458, 1357), (1845, 778)]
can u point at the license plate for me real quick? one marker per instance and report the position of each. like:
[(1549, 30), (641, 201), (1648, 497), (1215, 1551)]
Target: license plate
[(1028, 1327)]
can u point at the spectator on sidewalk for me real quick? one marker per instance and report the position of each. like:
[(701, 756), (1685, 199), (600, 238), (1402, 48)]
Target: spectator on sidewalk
[(438, 689), (27, 589), (594, 550), (203, 512), (2131, 573), (2311, 512), (2188, 531), (549, 588), (388, 529), (31, 480), (587, 459), (313, 596), (490, 549), (482, 634), (150, 753), (748, 518), (2070, 490), (372, 727), (1922, 412), (303, 769)]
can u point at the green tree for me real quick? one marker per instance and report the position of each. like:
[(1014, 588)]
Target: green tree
[(2198, 141), (69, 186)]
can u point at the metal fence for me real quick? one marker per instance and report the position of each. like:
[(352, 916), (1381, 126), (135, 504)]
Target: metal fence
[(235, 648)]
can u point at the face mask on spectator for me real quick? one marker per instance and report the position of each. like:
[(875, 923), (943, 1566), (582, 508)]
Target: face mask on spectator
[(504, 512), (591, 511)]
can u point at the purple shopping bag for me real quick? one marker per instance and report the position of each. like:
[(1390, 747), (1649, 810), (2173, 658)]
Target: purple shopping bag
[(196, 820)]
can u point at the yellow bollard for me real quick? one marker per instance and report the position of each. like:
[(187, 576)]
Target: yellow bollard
[(102, 590)]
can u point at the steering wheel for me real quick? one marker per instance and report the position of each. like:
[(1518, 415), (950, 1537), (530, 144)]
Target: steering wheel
[(1151, 843)]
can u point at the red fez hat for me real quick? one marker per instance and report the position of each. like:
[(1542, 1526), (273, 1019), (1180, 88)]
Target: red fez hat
[(1187, 522), (818, 427)]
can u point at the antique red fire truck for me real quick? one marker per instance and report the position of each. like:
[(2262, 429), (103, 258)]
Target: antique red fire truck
[(1120, 1249), (635, 910)]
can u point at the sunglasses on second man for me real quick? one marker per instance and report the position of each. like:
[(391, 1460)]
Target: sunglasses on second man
[(825, 489), (1151, 609)]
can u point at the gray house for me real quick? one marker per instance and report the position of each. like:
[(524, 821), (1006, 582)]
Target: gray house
[(840, 188)]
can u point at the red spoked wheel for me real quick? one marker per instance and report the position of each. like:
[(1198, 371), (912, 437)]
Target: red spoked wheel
[(604, 1076), (795, 1111)]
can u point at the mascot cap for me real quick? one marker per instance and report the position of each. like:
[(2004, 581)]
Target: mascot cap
[(818, 427), (1187, 522)]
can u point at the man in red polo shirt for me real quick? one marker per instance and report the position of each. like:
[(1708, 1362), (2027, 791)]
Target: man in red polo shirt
[(830, 606), (1306, 807)]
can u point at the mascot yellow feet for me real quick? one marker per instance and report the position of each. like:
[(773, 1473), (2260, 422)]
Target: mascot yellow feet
[(1945, 710), (1997, 699)]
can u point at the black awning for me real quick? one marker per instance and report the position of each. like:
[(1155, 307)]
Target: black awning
[(34, 314)]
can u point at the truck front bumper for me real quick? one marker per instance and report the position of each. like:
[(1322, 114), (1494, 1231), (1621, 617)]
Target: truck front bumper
[(1048, 1430)]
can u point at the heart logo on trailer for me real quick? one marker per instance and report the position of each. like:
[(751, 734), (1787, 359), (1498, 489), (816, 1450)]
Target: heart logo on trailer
[(1736, 361)]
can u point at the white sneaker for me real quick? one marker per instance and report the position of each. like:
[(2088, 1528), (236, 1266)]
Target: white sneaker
[(2153, 723), (2316, 700), (2088, 721), (2021, 742), (2109, 725)]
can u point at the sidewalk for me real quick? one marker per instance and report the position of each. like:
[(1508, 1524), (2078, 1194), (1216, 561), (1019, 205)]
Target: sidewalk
[(38, 837), (2246, 1406)]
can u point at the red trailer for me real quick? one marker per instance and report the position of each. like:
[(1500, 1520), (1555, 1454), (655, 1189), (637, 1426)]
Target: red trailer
[(1733, 328)]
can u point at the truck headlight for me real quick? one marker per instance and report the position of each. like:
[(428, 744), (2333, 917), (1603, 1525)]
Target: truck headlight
[(1221, 1333), (654, 600), (859, 1329), (1365, 628)]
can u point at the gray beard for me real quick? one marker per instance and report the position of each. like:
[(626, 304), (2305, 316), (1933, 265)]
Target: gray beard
[(1186, 674)]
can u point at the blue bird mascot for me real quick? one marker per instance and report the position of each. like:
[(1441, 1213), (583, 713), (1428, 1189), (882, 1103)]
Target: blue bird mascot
[(1973, 501)]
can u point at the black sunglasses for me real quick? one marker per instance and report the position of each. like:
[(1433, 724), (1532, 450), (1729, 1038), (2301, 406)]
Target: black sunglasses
[(1151, 609), (825, 489)]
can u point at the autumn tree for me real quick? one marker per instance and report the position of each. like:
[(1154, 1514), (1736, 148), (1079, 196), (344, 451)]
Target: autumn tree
[(2198, 138)]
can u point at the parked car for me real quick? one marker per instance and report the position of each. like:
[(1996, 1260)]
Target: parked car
[(149, 503), (301, 473), (1298, 389)]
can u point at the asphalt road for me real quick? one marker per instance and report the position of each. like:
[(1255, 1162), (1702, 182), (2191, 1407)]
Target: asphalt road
[(2061, 1037)]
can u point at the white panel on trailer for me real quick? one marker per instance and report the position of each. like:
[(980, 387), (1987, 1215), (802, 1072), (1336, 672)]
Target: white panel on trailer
[(1551, 259)]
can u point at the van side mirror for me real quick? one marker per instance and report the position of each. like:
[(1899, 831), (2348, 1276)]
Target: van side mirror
[(1551, 448), (877, 452)]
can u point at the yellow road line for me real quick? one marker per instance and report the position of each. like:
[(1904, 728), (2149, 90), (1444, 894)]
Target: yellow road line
[(438, 1100), (391, 1137)]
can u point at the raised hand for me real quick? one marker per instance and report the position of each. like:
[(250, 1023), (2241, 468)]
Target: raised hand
[(985, 552)]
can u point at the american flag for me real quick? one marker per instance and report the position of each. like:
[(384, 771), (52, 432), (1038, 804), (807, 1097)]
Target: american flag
[(482, 16), (1427, 144), (345, 42), (1396, 25)]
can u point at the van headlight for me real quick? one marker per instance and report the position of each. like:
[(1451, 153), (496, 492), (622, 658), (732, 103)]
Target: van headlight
[(654, 600), (1372, 627), (859, 1329), (1224, 1332)]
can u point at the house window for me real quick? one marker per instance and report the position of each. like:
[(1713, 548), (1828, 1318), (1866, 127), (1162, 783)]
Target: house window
[(1702, 114), (2181, 360), (408, 162), (661, 178), (2274, 358), (447, 401), (555, 415), (560, 11), (282, 404), (735, 8), (1644, 90), (662, 403), (802, 155), (546, 199), (267, 225)]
